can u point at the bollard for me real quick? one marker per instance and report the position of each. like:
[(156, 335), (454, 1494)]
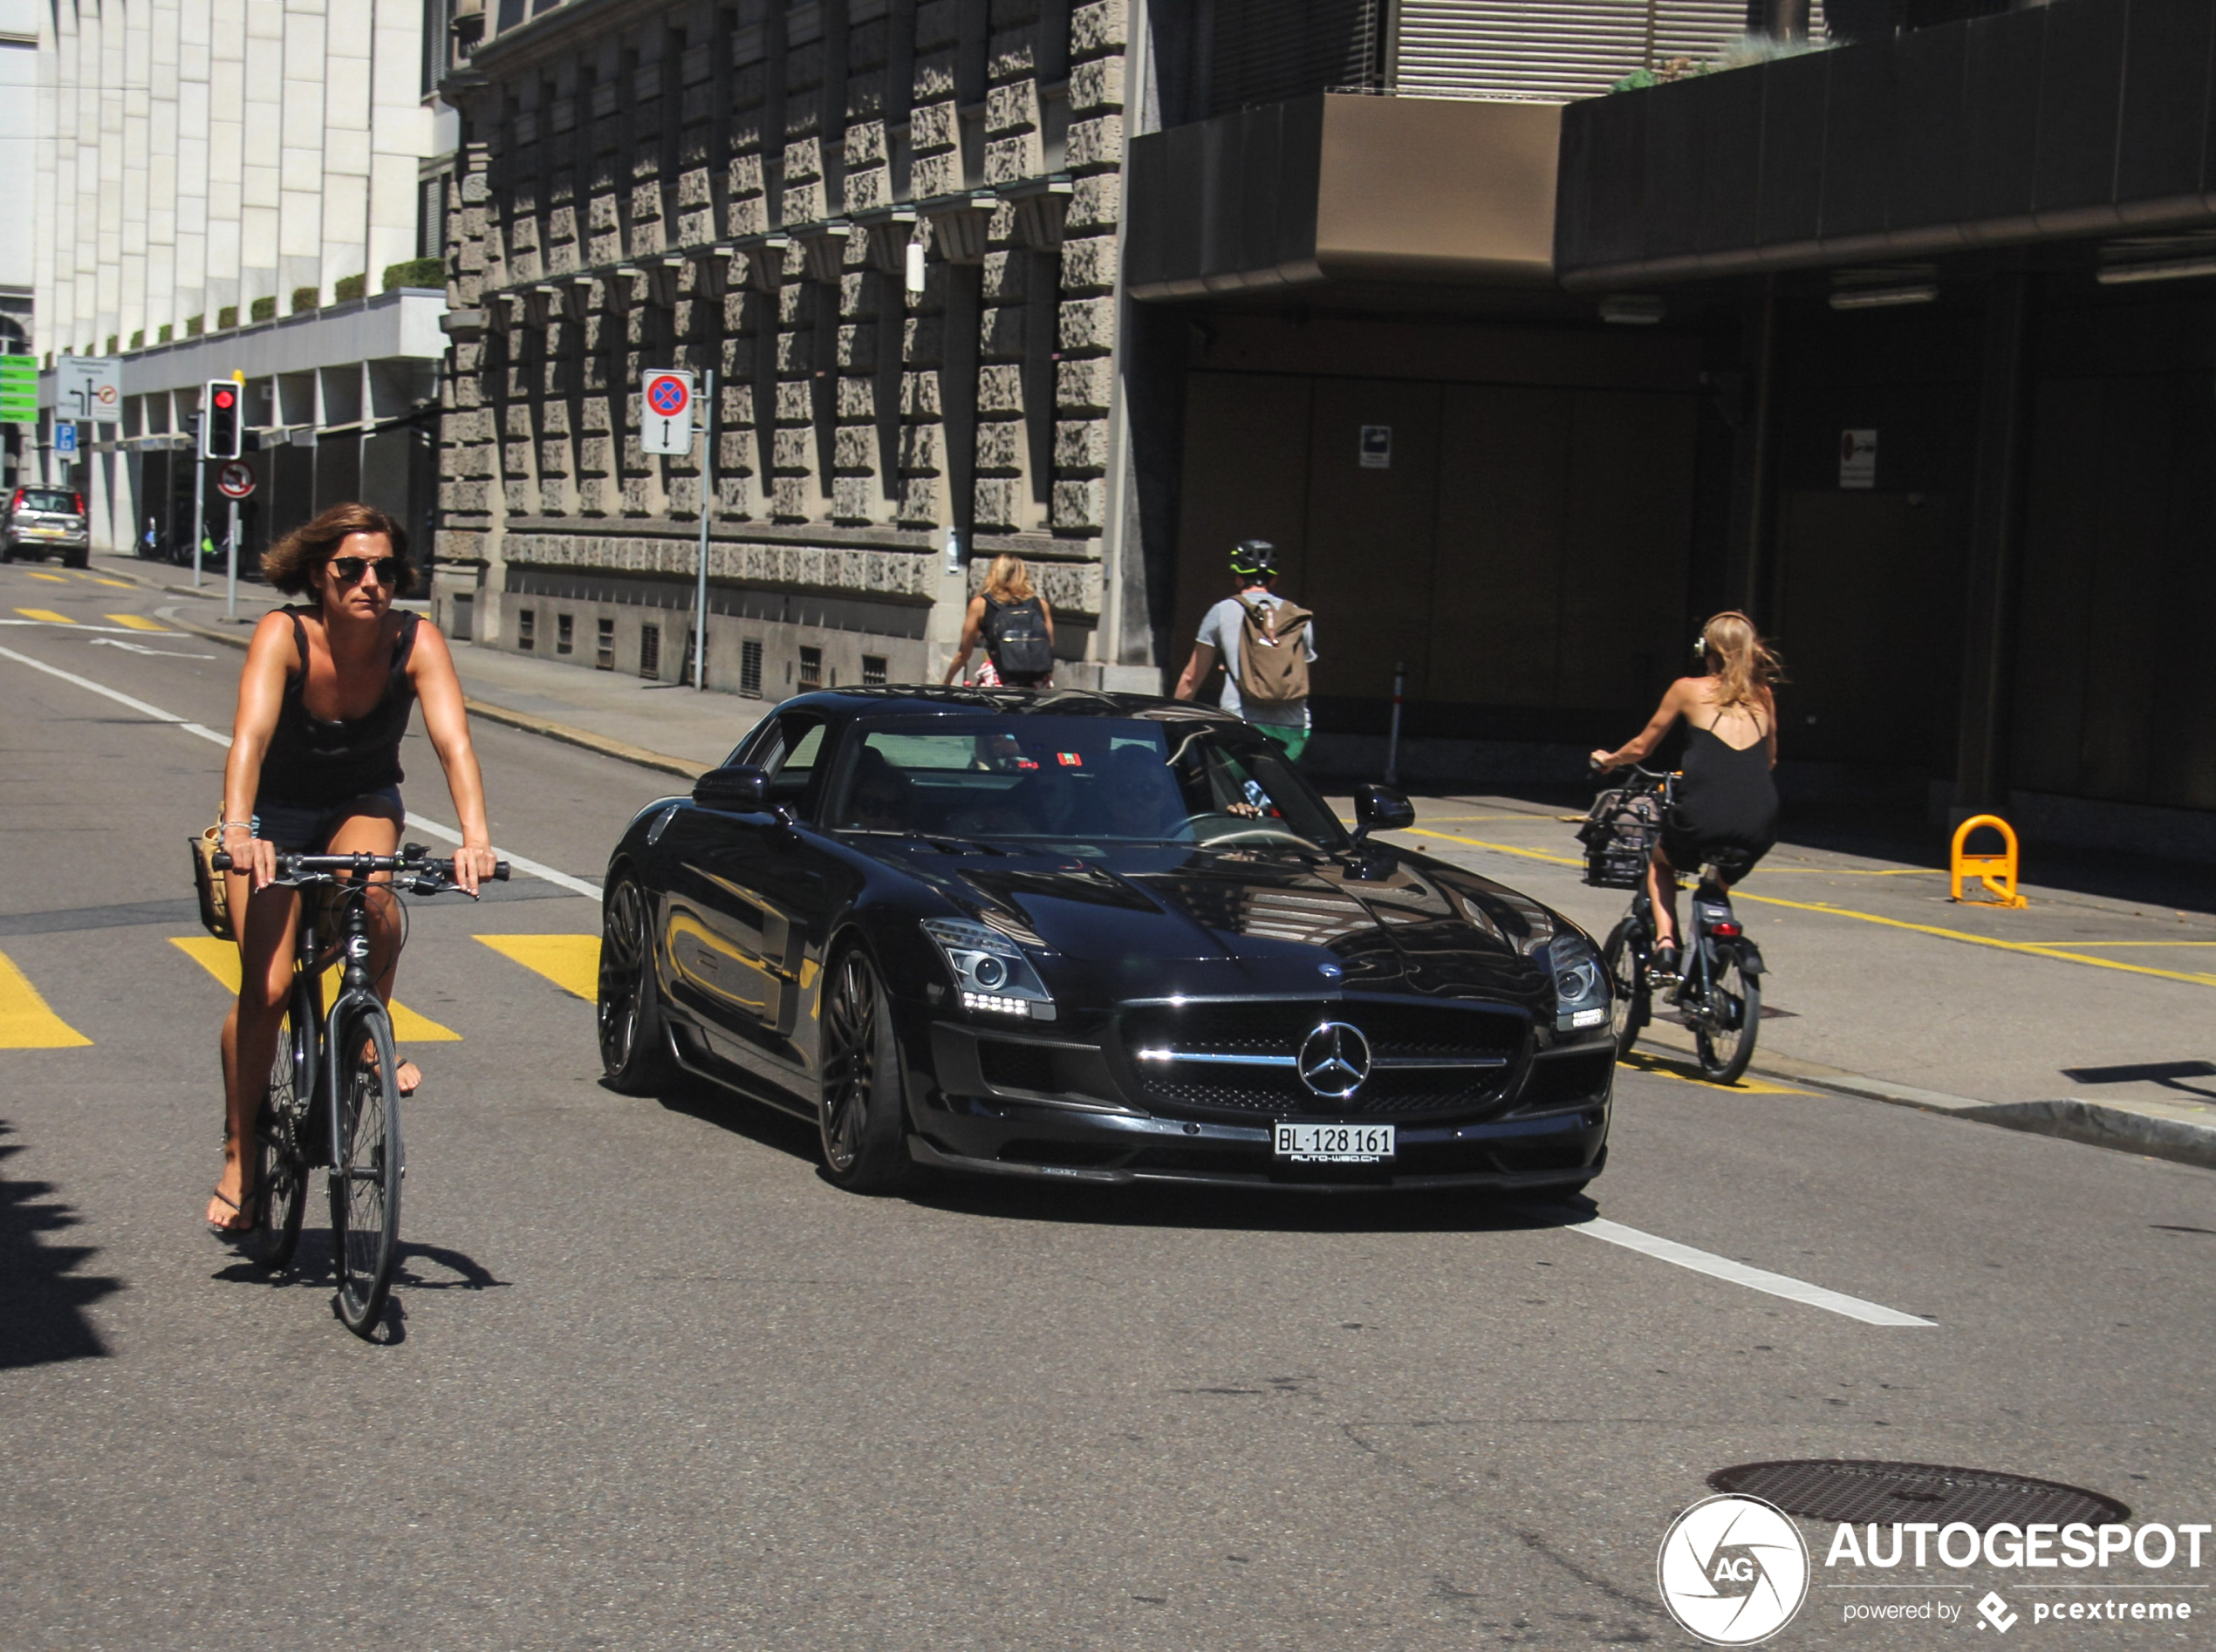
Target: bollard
[(1997, 873)]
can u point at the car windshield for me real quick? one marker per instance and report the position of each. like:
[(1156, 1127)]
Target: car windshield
[(1077, 780), (47, 499)]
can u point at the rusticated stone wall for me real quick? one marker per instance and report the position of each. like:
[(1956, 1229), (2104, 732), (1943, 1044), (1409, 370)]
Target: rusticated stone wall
[(889, 226)]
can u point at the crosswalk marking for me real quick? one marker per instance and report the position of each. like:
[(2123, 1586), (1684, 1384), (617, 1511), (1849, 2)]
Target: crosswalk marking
[(25, 1023), (137, 622), (46, 616), (220, 959), (571, 962)]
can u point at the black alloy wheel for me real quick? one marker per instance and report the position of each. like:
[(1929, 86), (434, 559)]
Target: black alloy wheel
[(1630, 1008), (365, 1188), (635, 1046), (281, 1162), (1727, 1018), (863, 1114)]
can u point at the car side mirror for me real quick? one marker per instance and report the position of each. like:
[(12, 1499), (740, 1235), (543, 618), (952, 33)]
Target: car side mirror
[(742, 789), (1381, 808)]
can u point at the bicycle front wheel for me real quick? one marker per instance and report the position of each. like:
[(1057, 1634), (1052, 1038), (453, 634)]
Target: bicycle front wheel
[(365, 1186), (280, 1136), (1629, 1006), (1729, 1016)]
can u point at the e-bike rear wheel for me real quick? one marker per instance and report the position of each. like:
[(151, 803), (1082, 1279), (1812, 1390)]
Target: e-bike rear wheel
[(365, 1183), (1727, 1018)]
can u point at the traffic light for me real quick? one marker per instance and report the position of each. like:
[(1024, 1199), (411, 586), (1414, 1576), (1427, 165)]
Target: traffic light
[(220, 423)]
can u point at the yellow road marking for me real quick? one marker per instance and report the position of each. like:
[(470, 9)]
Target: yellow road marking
[(1685, 1072), (2035, 949), (571, 962), (102, 579), (138, 622), (46, 614), (25, 1023), (2123, 943), (220, 959), (57, 578)]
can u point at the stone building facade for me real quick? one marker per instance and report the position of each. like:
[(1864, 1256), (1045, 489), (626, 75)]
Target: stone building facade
[(890, 231)]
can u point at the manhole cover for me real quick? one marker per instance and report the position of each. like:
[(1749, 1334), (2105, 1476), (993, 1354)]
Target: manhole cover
[(1859, 1492)]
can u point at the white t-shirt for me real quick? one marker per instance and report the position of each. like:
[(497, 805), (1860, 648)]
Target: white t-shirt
[(1220, 629)]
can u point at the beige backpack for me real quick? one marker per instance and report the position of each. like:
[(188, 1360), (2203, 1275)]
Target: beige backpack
[(1272, 653)]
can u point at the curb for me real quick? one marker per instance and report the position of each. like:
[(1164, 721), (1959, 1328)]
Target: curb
[(2090, 1123), (547, 728)]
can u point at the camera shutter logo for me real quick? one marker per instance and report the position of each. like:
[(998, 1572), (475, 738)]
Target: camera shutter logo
[(1733, 1570)]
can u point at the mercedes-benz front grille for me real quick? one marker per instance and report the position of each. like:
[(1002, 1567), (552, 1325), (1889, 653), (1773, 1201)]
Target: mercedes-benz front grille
[(1274, 1057)]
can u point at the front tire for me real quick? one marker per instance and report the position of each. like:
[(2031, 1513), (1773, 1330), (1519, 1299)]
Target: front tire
[(1630, 1005), (863, 1114), (366, 1191), (634, 1042), (1725, 1029)]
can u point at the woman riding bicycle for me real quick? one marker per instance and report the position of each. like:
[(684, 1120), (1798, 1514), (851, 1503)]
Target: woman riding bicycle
[(1726, 808), (315, 768)]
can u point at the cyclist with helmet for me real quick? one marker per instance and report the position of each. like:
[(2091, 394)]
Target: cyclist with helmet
[(1274, 700), (1725, 811)]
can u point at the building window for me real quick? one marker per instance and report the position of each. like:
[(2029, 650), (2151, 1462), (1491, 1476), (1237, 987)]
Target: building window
[(872, 670), (650, 651), (811, 668), (603, 648), (564, 633), (431, 219), (526, 629), (750, 670)]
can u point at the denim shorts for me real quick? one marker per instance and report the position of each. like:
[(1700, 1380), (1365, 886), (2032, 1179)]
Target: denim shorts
[(304, 828)]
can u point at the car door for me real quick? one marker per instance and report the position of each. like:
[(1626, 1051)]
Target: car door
[(745, 892)]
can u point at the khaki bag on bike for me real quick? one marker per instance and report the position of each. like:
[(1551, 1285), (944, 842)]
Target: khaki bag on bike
[(210, 886), (1272, 653)]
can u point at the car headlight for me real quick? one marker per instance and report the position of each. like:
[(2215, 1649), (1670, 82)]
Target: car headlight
[(1581, 984), (990, 971)]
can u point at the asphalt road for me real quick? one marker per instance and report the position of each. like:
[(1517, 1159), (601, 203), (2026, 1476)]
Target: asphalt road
[(649, 1382)]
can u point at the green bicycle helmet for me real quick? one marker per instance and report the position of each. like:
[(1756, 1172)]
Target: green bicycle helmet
[(1253, 559)]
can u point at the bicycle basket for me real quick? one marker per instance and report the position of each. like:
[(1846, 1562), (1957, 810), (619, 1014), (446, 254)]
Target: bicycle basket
[(1619, 835)]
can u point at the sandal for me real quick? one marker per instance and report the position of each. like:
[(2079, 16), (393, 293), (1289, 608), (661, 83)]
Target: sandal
[(249, 1218)]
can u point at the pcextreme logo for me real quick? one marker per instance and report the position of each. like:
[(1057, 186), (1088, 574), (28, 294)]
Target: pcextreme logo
[(1733, 1570)]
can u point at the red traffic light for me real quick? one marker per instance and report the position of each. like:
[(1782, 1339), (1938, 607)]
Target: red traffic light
[(224, 398)]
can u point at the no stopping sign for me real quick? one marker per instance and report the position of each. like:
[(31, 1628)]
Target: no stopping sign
[(666, 411)]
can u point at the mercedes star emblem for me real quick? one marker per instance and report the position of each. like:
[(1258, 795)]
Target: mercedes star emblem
[(1334, 1059)]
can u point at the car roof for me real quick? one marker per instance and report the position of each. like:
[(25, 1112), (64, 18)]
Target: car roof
[(924, 699)]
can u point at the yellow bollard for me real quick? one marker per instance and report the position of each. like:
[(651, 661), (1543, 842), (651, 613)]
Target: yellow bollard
[(1997, 873)]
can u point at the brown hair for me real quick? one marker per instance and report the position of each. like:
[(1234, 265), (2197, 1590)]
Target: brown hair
[(1745, 669), (1008, 580), (291, 564)]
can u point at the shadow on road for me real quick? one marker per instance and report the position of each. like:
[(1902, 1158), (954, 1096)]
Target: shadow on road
[(42, 1301)]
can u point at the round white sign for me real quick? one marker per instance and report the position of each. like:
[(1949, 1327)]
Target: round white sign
[(234, 480)]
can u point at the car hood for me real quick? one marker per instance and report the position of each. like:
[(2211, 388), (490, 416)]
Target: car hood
[(1416, 925)]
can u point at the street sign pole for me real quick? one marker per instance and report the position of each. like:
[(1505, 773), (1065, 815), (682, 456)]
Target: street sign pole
[(708, 490), (231, 572), (199, 513)]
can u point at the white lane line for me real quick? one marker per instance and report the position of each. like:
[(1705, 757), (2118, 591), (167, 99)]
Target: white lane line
[(563, 880), (1755, 1278)]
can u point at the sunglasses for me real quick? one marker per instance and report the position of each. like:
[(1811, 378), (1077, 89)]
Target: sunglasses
[(348, 570)]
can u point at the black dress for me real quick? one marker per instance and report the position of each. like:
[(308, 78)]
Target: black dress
[(1726, 810)]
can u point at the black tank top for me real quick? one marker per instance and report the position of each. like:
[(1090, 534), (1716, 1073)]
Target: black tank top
[(311, 761), (1727, 795)]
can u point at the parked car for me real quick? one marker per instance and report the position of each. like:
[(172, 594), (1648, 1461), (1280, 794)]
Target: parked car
[(1097, 937), (46, 522)]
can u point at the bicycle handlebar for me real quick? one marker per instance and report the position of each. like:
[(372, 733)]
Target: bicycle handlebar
[(322, 868)]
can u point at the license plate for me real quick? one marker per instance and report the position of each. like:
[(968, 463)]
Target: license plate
[(1334, 1143)]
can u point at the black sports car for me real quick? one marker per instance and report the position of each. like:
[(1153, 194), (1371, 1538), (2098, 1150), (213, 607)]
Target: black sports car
[(1097, 937)]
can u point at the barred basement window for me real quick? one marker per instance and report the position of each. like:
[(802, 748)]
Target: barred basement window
[(750, 670), (603, 652), (872, 670), (650, 651), (811, 668), (562, 632), (526, 628)]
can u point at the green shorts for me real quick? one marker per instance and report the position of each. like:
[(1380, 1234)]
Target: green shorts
[(1293, 741)]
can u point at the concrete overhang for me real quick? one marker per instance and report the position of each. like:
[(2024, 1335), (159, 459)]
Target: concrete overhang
[(400, 325), (1337, 188)]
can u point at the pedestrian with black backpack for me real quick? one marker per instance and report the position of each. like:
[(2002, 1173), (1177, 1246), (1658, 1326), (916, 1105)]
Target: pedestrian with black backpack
[(1015, 624), (1265, 643)]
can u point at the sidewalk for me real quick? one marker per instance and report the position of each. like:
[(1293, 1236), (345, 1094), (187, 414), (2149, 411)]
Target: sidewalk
[(2082, 1015)]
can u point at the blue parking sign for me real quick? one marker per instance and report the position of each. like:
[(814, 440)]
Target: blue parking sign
[(65, 438)]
